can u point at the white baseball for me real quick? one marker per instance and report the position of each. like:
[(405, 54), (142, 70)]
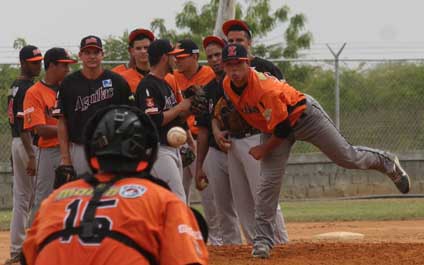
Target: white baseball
[(176, 136)]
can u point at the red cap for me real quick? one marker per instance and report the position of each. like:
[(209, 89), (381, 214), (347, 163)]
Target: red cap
[(143, 32), (235, 24), (213, 39)]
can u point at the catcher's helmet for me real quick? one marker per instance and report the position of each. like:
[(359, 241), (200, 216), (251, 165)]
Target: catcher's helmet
[(121, 139)]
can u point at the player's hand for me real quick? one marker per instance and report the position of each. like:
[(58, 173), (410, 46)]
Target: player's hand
[(258, 152), (221, 138), (184, 105), (30, 170), (201, 179)]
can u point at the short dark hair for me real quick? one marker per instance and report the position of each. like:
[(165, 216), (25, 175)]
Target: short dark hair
[(138, 37), (245, 33)]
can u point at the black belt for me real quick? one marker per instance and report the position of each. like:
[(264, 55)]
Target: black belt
[(246, 133)]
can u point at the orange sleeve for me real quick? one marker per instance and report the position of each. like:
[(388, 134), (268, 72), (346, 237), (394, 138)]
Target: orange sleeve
[(172, 82), (33, 110), (182, 242), (272, 108)]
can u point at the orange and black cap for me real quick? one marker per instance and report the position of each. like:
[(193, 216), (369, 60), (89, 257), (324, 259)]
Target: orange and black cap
[(57, 55), (30, 53), (237, 25), (141, 32), (91, 41), (160, 47), (186, 48), (213, 39), (234, 52)]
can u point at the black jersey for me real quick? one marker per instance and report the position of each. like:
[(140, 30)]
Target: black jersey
[(79, 98), (213, 92), (16, 104), (154, 96), (265, 66)]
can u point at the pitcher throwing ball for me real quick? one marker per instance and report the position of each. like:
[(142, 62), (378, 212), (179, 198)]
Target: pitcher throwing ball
[(284, 115)]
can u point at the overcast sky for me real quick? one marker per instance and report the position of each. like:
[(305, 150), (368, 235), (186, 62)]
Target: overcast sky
[(372, 29)]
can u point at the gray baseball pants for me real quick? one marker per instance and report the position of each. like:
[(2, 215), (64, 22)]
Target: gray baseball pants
[(23, 193), (208, 204), (48, 161), (215, 167), (245, 174), (317, 128), (168, 167)]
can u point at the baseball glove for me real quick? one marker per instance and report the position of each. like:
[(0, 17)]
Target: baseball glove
[(229, 118), (187, 156), (199, 102), (64, 174)]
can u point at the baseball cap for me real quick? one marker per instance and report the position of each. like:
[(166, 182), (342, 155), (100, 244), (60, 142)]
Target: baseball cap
[(160, 47), (30, 53), (235, 24), (213, 39), (137, 32), (234, 52), (59, 55), (91, 41), (188, 48)]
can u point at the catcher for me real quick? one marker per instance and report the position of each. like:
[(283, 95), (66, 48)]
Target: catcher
[(121, 214)]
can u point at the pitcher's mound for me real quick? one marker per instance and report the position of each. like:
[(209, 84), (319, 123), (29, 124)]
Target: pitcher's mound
[(339, 236)]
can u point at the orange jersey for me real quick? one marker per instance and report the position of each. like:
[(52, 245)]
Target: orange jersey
[(266, 101), (179, 82), (133, 78), (39, 102), (152, 217), (119, 69)]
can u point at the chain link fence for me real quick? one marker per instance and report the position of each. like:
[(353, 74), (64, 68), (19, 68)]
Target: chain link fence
[(380, 101)]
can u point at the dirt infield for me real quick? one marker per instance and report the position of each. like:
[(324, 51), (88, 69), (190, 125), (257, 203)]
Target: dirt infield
[(385, 243)]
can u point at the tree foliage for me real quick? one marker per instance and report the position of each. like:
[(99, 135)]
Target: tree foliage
[(197, 22)]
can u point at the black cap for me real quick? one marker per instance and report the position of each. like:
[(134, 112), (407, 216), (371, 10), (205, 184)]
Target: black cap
[(59, 55), (30, 53), (160, 47), (237, 25), (234, 52), (91, 41), (188, 48)]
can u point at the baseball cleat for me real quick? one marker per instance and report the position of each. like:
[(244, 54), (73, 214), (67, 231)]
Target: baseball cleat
[(400, 177), (261, 250)]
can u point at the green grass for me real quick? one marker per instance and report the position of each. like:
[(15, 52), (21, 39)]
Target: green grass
[(5, 217), (353, 210), (331, 210)]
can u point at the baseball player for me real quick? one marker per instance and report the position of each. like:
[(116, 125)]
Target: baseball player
[(23, 153), (139, 41), (40, 100), (237, 31), (155, 97), (188, 73), (121, 214), (80, 95), (285, 115), (211, 163)]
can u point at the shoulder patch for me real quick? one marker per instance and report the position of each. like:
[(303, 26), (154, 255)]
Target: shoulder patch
[(261, 76), (107, 83), (132, 191), (267, 114)]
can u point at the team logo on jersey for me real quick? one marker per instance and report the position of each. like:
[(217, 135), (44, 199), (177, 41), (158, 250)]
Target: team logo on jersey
[(132, 191), (107, 83), (267, 114)]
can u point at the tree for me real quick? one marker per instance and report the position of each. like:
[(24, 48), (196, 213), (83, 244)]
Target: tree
[(19, 43), (197, 23)]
